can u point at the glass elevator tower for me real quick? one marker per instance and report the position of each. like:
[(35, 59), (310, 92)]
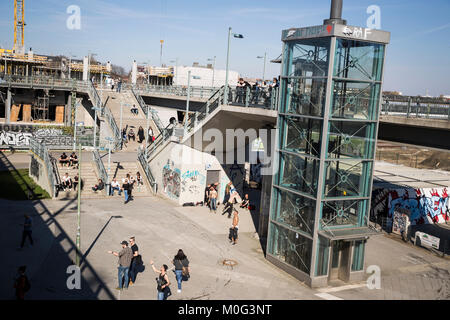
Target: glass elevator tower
[(327, 131)]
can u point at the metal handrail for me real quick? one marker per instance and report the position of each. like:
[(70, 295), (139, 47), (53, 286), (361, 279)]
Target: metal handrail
[(144, 107), (145, 165), (101, 169), (163, 136)]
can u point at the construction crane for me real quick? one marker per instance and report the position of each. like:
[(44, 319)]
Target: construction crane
[(19, 26)]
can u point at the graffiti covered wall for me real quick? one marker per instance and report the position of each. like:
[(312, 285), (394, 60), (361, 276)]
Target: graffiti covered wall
[(424, 206), (171, 180), (20, 135)]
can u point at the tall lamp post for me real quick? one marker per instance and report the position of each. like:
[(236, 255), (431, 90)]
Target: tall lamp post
[(95, 125), (176, 70), (214, 69), (78, 254), (186, 117), (108, 182), (264, 69), (239, 36)]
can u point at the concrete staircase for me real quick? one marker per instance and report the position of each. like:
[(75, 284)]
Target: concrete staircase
[(128, 118), (119, 171), (88, 175)]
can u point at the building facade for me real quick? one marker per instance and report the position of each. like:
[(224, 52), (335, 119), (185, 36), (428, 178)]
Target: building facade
[(327, 128)]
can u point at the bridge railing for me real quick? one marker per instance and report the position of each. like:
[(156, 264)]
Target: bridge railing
[(163, 136), (42, 82), (266, 98), (431, 108), (195, 91)]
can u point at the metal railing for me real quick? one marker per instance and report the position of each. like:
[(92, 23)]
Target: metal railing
[(163, 136), (41, 151), (144, 107), (416, 107), (101, 169), (195, 92), (146, 166), (266, 98), (42, 82)]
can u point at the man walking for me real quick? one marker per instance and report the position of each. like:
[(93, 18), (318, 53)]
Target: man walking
[(213, 199), (27, 229), (125, 256), (135, 260), (235, 227)]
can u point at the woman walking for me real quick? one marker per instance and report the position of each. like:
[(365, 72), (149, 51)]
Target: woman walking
[(163, 282), (181, 264), (141, 134)]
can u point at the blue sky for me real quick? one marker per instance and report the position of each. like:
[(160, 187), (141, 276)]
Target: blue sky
[(418, 58)]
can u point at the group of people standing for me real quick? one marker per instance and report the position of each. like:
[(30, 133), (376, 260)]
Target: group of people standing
[(128, 135), (259, 91), (128, 184), (130, 263)]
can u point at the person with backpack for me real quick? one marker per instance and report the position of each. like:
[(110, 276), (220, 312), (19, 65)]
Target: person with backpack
[(162, 281), (21, 283), (182, 270)]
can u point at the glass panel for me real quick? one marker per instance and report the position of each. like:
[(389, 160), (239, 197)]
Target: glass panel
[(308, 58), (304, 96), (322, 256), (303, 135), (343, 213), (347, 179), (358, 60), (293, 210), (299, 173), (358, 256), (348, 139), (290, 247), (355, 100)]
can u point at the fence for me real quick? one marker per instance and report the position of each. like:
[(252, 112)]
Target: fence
[(416, 107), (42, 82)]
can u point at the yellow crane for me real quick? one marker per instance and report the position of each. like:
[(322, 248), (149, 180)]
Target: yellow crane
[(19, 26)]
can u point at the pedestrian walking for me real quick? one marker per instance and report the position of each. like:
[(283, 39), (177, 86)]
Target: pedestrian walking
[(162, 281), (125, 256), (27, 231), (235, 227), (182, 270), (135, 261), (141, 135), (126, 190), (21, 283), (213, 199)]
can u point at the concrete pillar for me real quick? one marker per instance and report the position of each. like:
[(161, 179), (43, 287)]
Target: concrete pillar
[(85, 69), (134, 73), (8, 107)]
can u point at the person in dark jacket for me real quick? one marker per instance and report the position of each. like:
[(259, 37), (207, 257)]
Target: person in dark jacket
[(21, 283), (141, 135), (181, 262), (99, 187)]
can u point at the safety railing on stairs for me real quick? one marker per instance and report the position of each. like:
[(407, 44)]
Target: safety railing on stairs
[(164, 136), (101, 170), (145, 108), (41, 151), (175, 90), (146, 166), (97, 102)]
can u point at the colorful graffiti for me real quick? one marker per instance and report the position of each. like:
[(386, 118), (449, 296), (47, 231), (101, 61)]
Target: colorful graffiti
[(423, 206), (171, 180), (20, 135), (193, 182)]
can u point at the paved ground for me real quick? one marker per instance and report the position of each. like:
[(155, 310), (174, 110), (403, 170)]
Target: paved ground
[(161, 229)]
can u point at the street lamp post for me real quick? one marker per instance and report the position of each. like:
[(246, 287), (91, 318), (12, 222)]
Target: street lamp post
[(239, 36), (108, 182), (176, 70), (186, 117), (78, 254), (214, 69), (264, 68)]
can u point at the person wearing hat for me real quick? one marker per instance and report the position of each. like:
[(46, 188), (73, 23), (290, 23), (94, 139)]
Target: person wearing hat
[(125, 256)]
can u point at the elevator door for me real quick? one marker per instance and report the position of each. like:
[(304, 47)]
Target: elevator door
[(340, 258)]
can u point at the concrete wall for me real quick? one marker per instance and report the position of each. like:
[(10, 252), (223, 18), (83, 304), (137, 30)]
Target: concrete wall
[(181, 173), (38, 172), (206, 77)]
